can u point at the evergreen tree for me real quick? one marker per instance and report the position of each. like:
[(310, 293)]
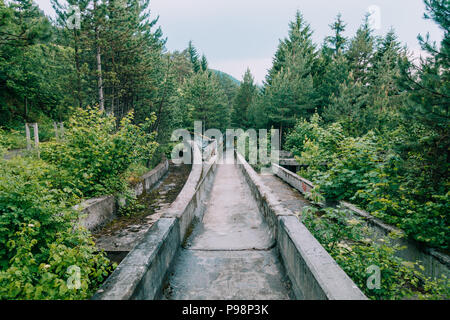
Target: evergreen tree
[(360, 52), (193, 55), (289, 92), (25, 65), (428, 106), (244, 99), (201, 98), (333, 65), (337, 42), (300, 34)]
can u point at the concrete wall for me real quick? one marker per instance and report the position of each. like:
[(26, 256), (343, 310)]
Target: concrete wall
[(99, 211), (149, 179), (313, 272), (142, 273), (435, 263)]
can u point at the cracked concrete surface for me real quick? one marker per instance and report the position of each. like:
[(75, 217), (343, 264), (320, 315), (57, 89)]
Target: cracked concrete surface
[(230, 254)]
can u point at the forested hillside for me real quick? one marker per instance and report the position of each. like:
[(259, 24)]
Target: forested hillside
[(367, 120)]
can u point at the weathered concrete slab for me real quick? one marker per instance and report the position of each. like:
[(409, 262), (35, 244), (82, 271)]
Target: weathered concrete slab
[(314, 274), (100, 211), (232, 220), (123, 233), (97, 212), (229, 253), (288, 196), (228, 275), (141, 273)]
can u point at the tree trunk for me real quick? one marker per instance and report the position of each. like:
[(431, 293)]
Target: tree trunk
[(77, 66), (99, 65)]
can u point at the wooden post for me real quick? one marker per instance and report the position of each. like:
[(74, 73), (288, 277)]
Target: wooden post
[(27, 133), (55, 127), (36, 139), (61, 133)]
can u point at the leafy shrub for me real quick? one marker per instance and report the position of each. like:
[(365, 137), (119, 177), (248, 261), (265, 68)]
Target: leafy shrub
[(12, 139), (95, 155), (349, 242), (39, 240), (371, 171)]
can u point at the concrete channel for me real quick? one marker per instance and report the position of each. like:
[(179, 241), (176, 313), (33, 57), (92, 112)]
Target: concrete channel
[(226, 236)]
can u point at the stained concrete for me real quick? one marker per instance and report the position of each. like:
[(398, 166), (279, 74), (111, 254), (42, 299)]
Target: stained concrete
[(289, 197), (124, 233), (232, 220), (228, 275), (230, 254)]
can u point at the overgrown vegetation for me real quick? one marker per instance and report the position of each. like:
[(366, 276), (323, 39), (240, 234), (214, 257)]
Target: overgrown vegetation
[(369, 122), (350, 243), (43, 246), (381, 138)]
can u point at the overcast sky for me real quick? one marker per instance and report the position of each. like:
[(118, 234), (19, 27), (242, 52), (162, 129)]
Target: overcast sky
[(236, 34)]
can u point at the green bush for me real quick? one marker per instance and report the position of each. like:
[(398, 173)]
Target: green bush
[(95, 155), (40, 244), (371, 172), (349, 242)]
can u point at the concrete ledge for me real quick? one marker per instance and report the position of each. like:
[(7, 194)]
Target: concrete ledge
[(99, 211), (299, 183), (313, 272), (267, 202), (141, 274), (435, 262), (190, 201), (151, 178)]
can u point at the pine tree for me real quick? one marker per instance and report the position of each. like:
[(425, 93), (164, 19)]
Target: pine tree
[(337, 42), (201, 98), (428, 106), (361, 51), (289, 91), (244, 99), (193, 55), (333, 65), (347, 107), (300, 33)]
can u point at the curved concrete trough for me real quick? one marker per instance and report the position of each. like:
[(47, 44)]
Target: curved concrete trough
[(312, 271), (141, 274), (435, 262), (99, 211)]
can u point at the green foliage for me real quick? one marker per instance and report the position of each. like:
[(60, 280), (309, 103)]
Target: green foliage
[(370, 171), (349, 242), (244, 99), (40, 241), (95, 154), (201, 98)]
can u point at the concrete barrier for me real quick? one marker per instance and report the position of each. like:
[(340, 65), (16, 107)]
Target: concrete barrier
[(313, 272), (435, 262), (141, 274), (150, 179), (190, 203), (99, 211)]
